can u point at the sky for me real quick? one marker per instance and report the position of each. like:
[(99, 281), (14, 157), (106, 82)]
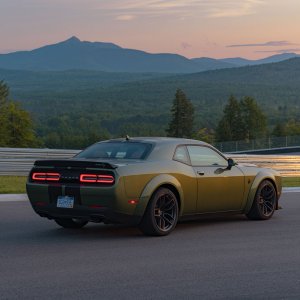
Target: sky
[(193, 28)]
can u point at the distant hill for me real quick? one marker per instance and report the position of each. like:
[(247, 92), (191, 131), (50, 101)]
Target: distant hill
[(53, 81), (207, 63), (139, 104), (83, 55), (240, 62)]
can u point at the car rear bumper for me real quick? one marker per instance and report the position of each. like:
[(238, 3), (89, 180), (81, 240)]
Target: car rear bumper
[(93, 204), (96, 215)]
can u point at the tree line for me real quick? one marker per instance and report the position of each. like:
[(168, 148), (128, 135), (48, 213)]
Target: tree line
[(242, 119), (16, 126)]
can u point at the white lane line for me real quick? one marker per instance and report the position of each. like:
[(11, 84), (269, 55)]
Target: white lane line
[(13, 197), (291, 190)]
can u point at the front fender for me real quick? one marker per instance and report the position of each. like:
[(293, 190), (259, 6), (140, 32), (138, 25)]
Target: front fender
[(152, 186), (262, 175)]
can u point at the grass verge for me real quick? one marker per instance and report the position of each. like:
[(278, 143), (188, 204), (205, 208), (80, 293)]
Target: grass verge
[(12, 184), (16, 184), (291, 181)]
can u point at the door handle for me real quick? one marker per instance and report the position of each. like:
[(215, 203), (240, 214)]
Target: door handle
[(201, 173)]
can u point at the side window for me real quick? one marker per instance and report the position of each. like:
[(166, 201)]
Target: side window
[(205, 156), (181, 155)]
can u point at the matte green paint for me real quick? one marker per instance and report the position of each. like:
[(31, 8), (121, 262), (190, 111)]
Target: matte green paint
[(218, 190), (153, 185)]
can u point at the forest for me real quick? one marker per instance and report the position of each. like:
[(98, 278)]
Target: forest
[(71, 109)]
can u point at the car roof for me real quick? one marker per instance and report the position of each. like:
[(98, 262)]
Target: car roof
[(160, 140)]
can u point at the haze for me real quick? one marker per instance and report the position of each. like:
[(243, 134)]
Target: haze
[(193, 28)]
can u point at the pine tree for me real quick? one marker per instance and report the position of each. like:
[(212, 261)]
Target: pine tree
[(182, 122), (242, 120), (254, 119), (231, 127)]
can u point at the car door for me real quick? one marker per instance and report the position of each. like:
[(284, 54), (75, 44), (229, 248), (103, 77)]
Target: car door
[(219, 188)]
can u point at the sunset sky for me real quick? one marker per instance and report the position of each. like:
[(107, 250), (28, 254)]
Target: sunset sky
[(193, 28)]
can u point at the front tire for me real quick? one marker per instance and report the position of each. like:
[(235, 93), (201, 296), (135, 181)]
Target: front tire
[(71, 223), (161, 215), (264, 203)]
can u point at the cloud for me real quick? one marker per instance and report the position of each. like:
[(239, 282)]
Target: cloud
[(280, 51), (181, 8), (266, 44), (125, 17), (227, 9)]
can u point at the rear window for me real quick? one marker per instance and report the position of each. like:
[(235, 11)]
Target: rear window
[(117, 150)]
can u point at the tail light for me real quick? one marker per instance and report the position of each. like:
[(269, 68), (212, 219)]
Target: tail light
[(46, 176), (96, 178)]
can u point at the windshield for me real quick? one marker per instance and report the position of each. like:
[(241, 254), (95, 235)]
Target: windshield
[(116, 150)]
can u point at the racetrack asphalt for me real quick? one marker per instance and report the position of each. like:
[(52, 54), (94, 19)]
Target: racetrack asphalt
[(219, 258)]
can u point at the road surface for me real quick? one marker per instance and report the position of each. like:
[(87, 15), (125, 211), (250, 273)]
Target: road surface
[(220, 258)]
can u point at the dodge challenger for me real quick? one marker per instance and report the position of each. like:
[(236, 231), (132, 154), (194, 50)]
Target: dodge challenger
[(151, 183)]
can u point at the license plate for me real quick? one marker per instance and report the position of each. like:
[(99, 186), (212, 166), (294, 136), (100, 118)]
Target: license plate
[(65, 201)]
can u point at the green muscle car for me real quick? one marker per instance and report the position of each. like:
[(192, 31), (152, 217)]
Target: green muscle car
[(151, 183)]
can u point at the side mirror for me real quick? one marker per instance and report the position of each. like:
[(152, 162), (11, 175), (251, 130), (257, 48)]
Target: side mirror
[(231, 163)]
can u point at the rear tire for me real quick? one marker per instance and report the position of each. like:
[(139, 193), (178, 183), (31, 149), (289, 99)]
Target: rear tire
[(71, 223), (264, 203), (161, 215)]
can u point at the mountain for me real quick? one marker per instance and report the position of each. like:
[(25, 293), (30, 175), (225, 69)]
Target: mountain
[(207, 63), (83, 55), (75, 54), (239, 61)]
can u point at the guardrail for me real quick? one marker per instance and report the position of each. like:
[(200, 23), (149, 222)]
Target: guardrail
[(19, 161), (258, 144)]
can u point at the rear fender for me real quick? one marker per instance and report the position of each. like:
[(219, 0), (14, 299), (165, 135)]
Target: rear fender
[(262, 175), (152, 186)]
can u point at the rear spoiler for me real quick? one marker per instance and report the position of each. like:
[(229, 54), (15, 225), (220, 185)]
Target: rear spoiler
[(74, 164)]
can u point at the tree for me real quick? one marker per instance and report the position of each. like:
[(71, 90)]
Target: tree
[(242, 120), (292, 127), (279, 130), (255, 122), (205, 134), (182, 122), (231, 127), (4, 91), (16, 126)]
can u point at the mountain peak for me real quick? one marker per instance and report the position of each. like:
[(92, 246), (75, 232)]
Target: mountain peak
[(72, 39)]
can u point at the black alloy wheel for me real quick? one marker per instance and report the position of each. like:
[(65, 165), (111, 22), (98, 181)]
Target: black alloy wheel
[(264, 203), (161, 215)]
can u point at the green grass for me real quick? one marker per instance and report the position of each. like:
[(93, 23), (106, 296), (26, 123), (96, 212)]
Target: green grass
[(16, 184), (291, 181), (12, 184)]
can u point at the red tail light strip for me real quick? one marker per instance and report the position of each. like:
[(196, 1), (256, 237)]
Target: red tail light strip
[(46, 176), (95, 178)]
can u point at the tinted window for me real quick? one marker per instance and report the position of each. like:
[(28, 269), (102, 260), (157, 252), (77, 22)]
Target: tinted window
[(204, 156), (117, 150), (181, 155)]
